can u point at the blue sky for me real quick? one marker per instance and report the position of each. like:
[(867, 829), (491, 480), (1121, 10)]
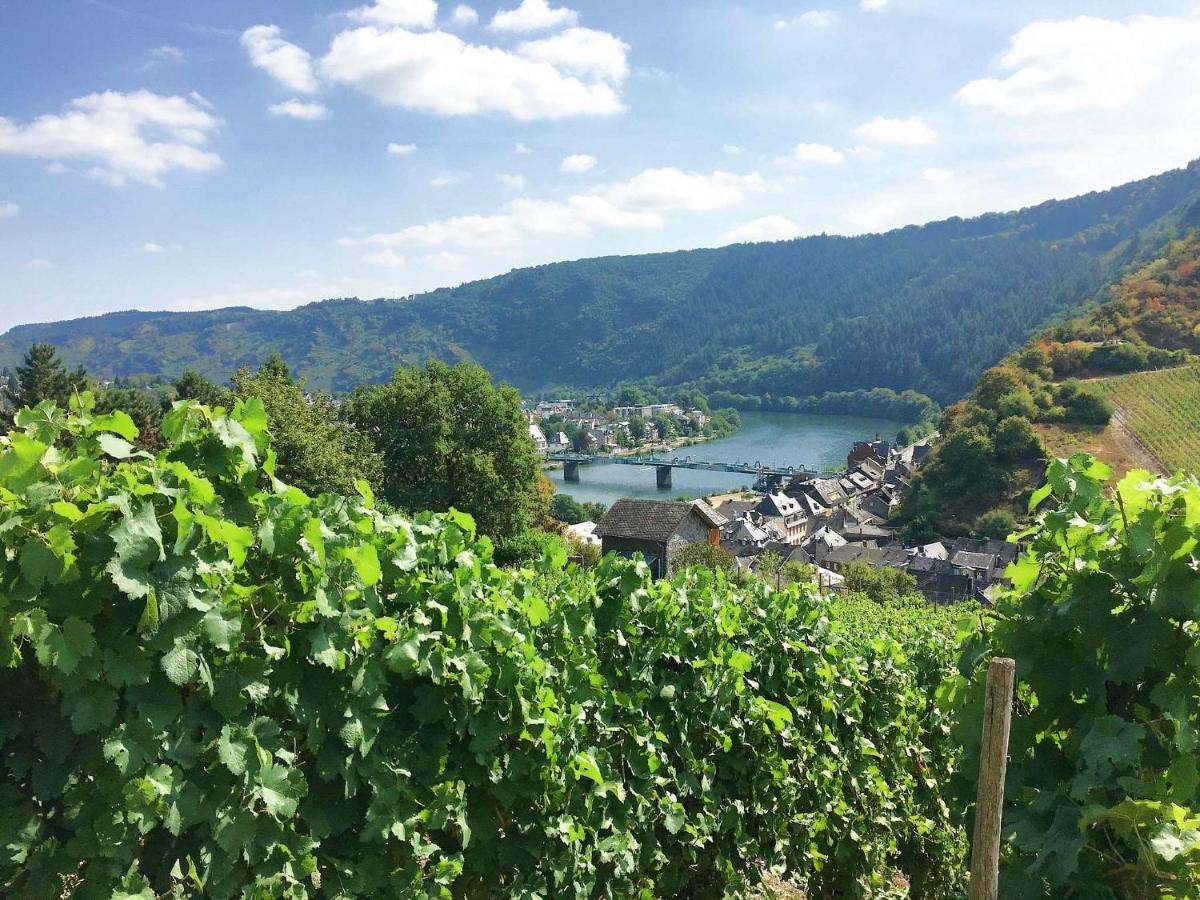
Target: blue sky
[(158, 154)]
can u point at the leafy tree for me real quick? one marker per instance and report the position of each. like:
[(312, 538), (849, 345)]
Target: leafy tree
[(996, 523), (708, 556), (567, 509), (637, 427), (43, 376), (581, 441), (449, 438), (193, 386), (883, 585), (630, 396), (593, 511), (1016, 440), (143, 408), (317, 451)]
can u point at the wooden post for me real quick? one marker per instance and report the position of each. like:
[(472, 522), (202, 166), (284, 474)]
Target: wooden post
[(993, 759)]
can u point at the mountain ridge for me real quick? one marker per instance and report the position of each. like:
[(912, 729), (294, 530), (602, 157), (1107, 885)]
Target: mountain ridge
[(923, 307)]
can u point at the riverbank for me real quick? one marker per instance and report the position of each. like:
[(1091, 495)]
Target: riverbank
[(767, 438)]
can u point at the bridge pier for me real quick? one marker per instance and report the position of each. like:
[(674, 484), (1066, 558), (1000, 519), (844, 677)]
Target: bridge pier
[(663, 474), (571, 471)]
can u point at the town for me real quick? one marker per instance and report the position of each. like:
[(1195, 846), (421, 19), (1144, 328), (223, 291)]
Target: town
[(826, 525)]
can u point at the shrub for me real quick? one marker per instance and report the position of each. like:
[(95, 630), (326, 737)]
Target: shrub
[(1102, 789), (708, 556), (217, 685)]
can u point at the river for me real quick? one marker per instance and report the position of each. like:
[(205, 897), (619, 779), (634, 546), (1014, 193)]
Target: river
[(773, 439)]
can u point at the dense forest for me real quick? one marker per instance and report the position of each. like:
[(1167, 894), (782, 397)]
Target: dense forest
[(920, 308)]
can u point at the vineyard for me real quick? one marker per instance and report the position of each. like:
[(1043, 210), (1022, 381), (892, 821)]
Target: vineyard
[(216, 685), (1162, 409)]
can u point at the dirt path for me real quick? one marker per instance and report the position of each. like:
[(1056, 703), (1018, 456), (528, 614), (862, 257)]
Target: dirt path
[(1132, 445)]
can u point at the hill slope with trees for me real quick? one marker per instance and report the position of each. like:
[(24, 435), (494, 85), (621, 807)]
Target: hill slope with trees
[(923, 308)]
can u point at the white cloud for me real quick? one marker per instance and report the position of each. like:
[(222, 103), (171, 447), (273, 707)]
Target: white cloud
[(401, 149), (512, 182), (883, 130), (522, 148), (766, 228), (151, 247), (533, 15), (398, 13), (138, 136), (816, 19), (166, 55), (585, 52), (387, 257), (445, 180), (8, 209), (731, 150), (1088, 63), (298, 109), (40, 264), (464, 15), (438, 72), (643, 202), (578, 164), (287, 63), (446, 261), (936, 175), (821, 154), (873, 5)]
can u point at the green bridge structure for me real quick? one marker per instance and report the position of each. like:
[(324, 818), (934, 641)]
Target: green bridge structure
[(767, 477)]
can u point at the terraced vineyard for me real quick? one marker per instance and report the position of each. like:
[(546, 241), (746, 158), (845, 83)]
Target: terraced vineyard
[(1163, 409)]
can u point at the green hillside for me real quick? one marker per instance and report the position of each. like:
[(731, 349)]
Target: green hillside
[(1162, 410), (924, 308)]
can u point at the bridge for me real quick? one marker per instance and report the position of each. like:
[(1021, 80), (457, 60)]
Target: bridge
[(768, 477)]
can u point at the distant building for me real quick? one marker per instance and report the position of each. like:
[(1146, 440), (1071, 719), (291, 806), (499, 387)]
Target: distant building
[(585, 533), (658, 529), (538, 438), (785, 512)]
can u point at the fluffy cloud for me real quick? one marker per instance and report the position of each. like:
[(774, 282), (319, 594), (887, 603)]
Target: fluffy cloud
[(533, 15), (522, 148), (464, 15), (8, 209), (398, 13), (1087, 63), (439, 73), (287, 63), (401, 149), (298, 109), (873, 5), (446, 179), (731, 150), (814, 153), (911, 131), (814, 19), (585, 52), (766, 228), (578, 164), (643, 202), (138, 136), (512, 182), (151, 247)]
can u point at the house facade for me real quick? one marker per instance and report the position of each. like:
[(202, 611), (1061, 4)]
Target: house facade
[(657, 529)]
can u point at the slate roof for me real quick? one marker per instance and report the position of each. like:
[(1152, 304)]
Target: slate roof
[(968, 560), (644, 520), (867, 533)]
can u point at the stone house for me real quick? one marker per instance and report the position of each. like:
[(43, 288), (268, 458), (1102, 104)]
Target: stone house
[(657, 529)]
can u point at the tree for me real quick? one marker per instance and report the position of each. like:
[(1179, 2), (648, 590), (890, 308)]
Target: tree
[(146, 412), (637, 427), (192, 385), (996, 523), (450, 438), (582, 440), (42, 376), (1016, 440), (317, 451), (567, 509), (630, 396), (707, 556)]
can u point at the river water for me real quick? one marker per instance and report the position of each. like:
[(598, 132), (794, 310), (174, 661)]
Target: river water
[(773, 439)]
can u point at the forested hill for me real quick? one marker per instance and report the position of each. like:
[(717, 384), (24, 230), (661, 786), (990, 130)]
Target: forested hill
[(925, 308)]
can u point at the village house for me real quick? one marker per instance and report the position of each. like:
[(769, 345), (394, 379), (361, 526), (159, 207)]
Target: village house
[(538, 438), (657, 529), (786, 513)]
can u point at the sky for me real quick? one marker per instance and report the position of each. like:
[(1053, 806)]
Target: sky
[(161, 154)]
